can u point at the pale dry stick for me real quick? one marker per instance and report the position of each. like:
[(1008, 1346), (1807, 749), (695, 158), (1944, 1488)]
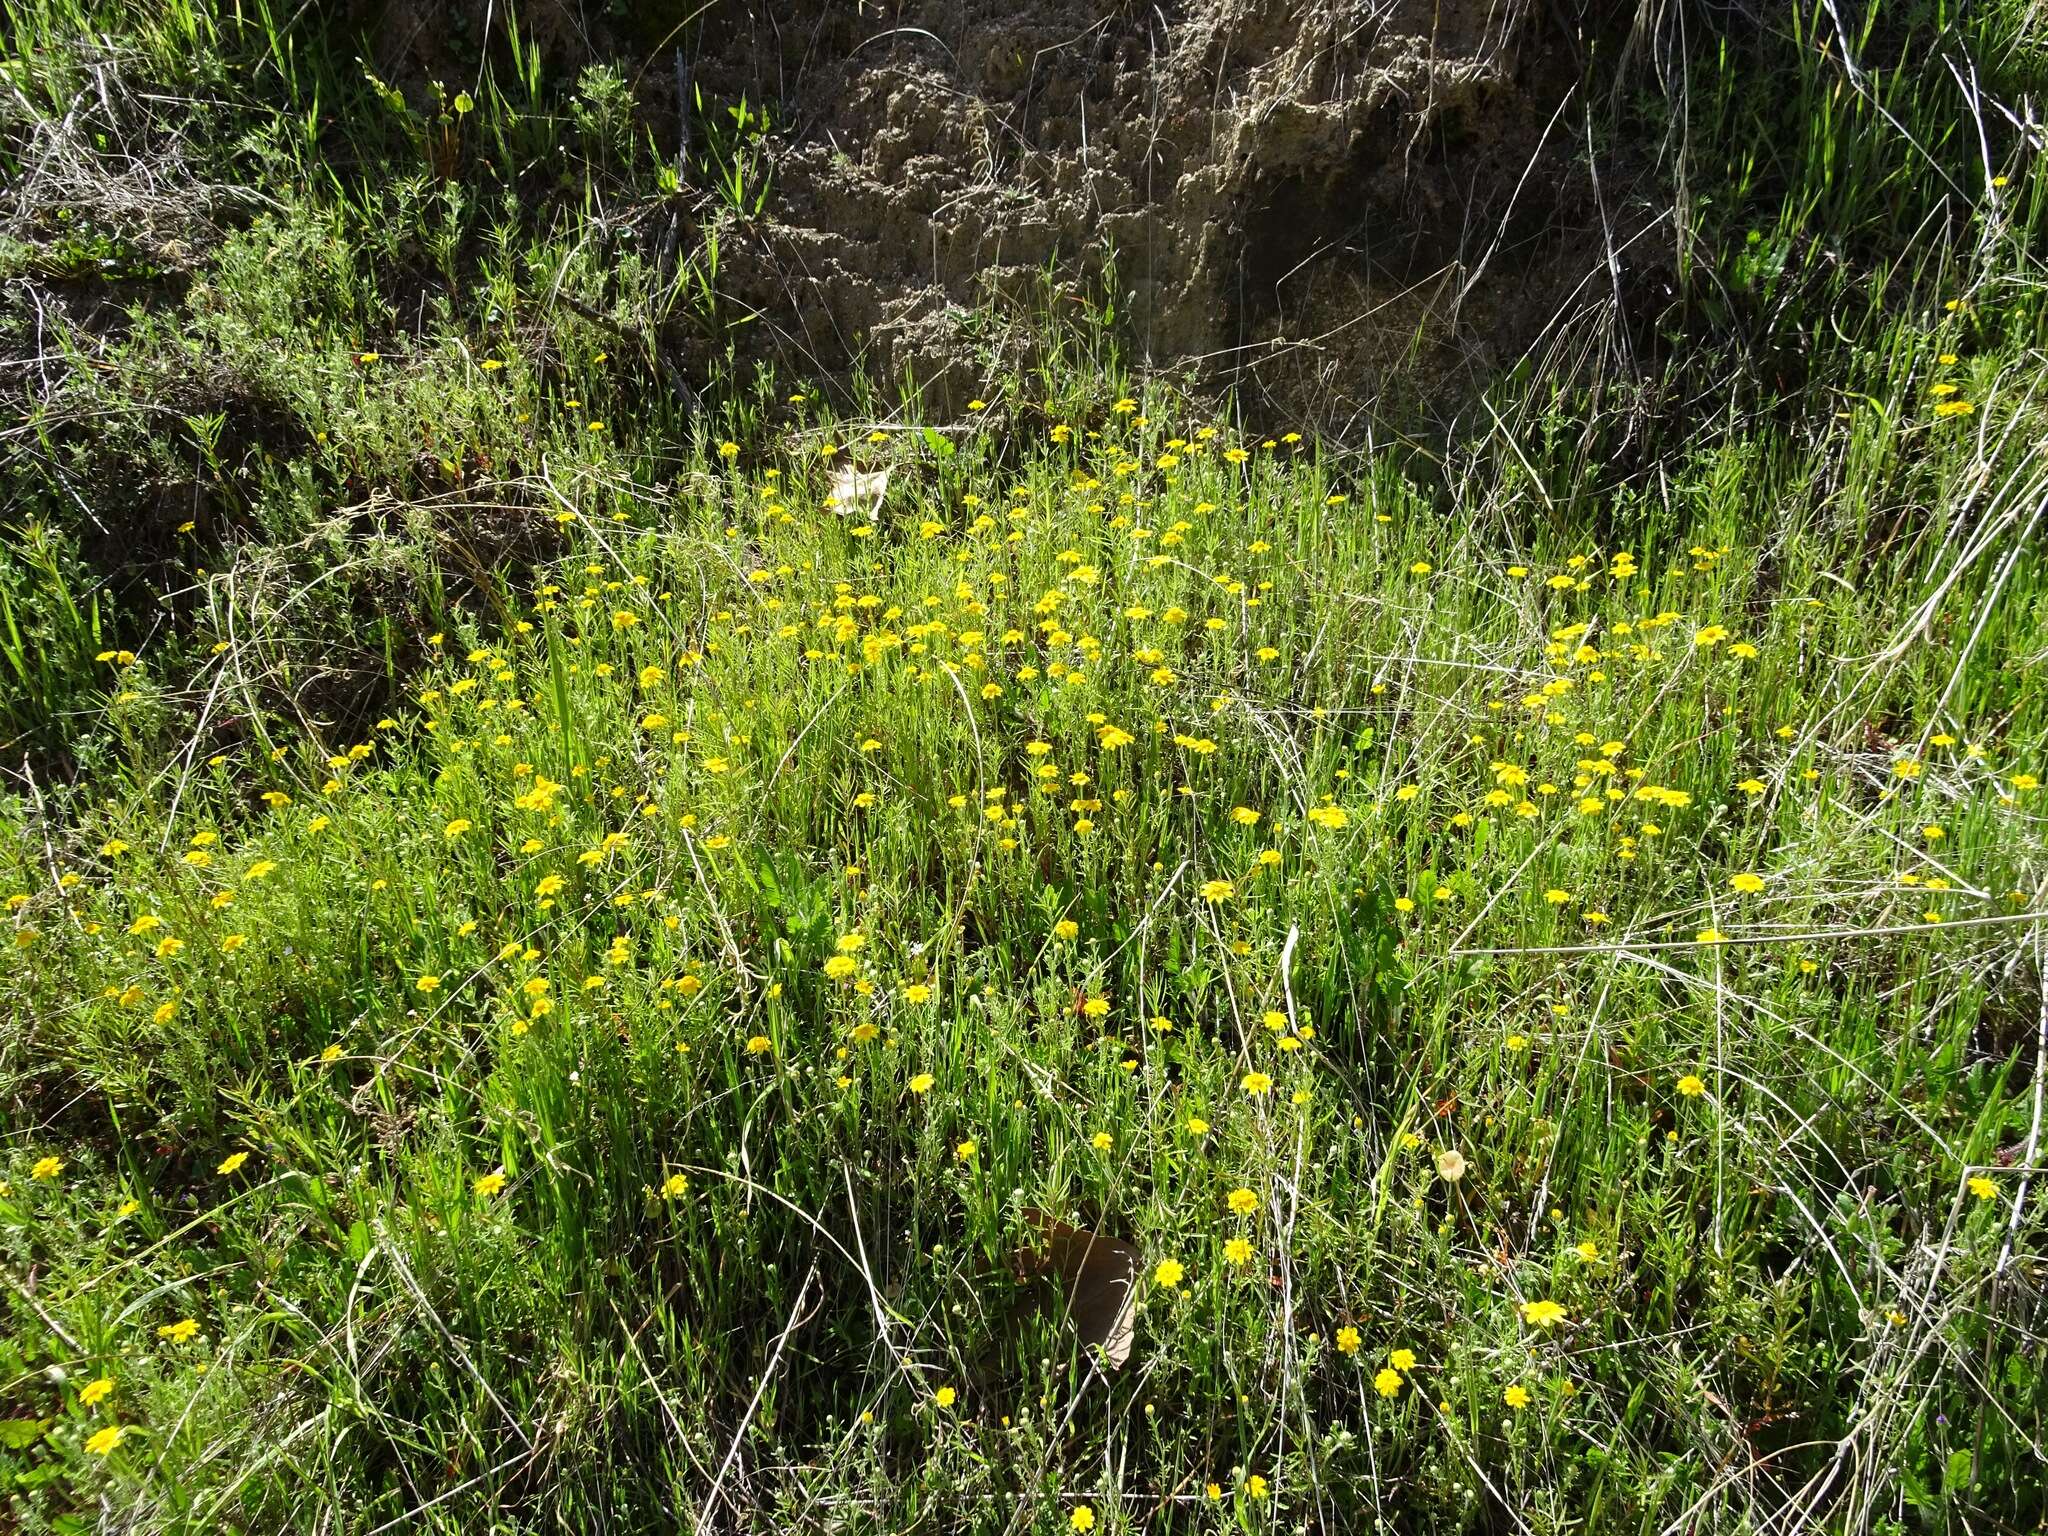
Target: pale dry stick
[(1960, 882), (200, 1220), (797, 741), (1284, 1234), (1501, 229), (1500, 1500), (390, 1058), (348, 1314), (1137, 933), (220, 674), (1800, 1124), (36, 1306), (484, 1476), (236, 645), (1618, 335), (271, 1453), (1809, 936), (1933, 1332), (227, 1353), (404, 1273), (1850, 1066), (1858, 84), (1887, 1399), (1315, 647), (732, 948), (1886, 1442), (967, 709), (1287, 971), (654, 1386), (1244, 1044), (1919, 622), (1542, 1200), (1997, 222), (1455, 952), (1974, 545), (1278, 347), (1720, 1067), (1935, 1325), (1730, 1475), (1387, 751), (2019, 1203), (1985, 605), (1144, 922), (1615, 1346), (35, 790), (1279, 742), (1535, 480), (859, 1264), (867, 1274), (803, 1292), (1517, 673)]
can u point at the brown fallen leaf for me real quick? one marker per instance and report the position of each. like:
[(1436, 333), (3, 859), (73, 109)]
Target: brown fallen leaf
[(1098, 1280)]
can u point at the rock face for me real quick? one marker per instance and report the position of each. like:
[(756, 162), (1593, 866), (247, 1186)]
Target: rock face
[(1323, 203)]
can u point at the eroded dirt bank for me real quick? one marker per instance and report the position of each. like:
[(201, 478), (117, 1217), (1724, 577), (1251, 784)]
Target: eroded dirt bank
[(1323, 203)]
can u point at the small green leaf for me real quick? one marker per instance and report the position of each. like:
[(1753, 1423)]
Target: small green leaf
[(20, 1434), (1956, 1477), (938, 442), (463, 105)]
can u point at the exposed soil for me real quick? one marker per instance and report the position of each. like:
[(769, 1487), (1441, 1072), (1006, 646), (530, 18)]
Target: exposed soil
[(1326, 204), (1337, 206)]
